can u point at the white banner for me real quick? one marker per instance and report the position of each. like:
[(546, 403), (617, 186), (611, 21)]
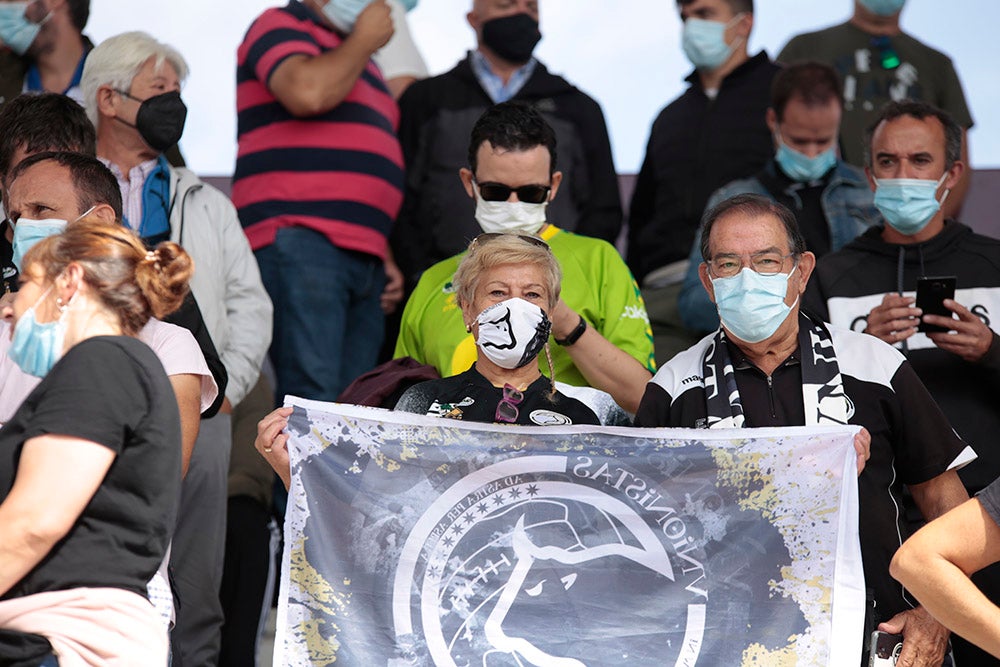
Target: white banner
[(419, 541)]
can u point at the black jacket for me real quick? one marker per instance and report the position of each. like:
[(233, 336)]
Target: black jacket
[(436, 118), (696, 146), (848, 283)]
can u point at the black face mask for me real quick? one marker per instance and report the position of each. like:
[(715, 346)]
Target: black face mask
[(160, 119), (513, 38)]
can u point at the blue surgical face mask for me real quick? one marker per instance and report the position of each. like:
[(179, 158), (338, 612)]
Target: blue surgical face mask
[(883, 7), (704, 42), (16, 31), (908, 204), (29, 232), (344, 13), (752, 306), (799, 166), (36, 347)]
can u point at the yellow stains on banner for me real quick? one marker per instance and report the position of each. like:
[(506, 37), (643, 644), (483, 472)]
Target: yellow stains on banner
[(319, 636)]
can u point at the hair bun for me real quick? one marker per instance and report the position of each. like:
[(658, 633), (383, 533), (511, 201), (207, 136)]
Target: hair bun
[(163, 276)]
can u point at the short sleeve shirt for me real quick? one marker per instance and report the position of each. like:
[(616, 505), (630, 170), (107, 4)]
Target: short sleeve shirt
[(110, 390), (989, 498), (922, 74), (339, 172), (174, 346)]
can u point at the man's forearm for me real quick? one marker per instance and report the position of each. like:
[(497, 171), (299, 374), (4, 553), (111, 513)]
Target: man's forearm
[(939, 495)]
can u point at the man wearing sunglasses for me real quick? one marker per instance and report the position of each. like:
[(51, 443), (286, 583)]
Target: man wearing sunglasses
[(437, 114), (769, 364), (880, 63), (599, 324)]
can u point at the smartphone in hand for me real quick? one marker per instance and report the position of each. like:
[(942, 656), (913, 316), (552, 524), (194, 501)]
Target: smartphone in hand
[(931, 293)]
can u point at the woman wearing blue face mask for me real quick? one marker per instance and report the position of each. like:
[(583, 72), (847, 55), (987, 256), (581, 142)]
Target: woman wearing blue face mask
[(505, 285), (90, 462)]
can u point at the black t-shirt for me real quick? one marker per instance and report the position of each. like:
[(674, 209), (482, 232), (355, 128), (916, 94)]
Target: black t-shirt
[(472, 397), (111, 390)]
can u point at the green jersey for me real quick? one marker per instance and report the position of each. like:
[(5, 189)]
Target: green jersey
[(596, 284)]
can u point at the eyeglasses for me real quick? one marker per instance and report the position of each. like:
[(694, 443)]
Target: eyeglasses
[(507, 407), (888, 57), (487, 237), (765, 263), (529, 194)]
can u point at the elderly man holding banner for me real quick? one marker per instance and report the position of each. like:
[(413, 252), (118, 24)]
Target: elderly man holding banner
[(771, 365)]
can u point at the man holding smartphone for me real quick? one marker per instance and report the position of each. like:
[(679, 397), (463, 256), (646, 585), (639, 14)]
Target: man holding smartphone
[(876, 283)]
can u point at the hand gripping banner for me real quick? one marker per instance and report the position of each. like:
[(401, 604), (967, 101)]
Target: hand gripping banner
[(411, 540)]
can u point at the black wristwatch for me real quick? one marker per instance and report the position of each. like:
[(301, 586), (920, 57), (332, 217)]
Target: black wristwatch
[(574, 335)]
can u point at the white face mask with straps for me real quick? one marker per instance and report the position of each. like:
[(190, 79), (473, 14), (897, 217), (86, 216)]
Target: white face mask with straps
[(512, 332), (509, 217)]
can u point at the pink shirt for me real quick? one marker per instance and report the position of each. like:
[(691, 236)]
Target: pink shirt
[(175, 346)]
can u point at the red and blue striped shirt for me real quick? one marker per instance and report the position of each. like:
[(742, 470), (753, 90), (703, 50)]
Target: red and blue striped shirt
[(340, 172)]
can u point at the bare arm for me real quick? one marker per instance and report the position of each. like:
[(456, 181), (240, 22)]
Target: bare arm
[(56, 478), (605, 366), (939, 495), (311, 85), (187, 389), (924, 638), (935, 565)]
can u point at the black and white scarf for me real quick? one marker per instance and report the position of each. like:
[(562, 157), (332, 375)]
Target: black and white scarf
[(822, 385)]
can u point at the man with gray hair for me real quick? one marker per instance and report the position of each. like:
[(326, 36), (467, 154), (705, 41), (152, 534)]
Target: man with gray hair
[(131, 86), (770, 364)]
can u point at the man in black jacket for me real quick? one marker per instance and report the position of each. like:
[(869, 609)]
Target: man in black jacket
[(437, 115), (869, 286), (712, 134)]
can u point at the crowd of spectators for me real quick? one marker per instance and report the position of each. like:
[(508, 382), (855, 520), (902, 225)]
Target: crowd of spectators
[(384, 223)]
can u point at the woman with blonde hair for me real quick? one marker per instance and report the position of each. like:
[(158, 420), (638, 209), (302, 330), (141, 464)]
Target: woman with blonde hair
[(90, 464), (506, 285)]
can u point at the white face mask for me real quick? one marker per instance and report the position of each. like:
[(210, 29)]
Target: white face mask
[(509, 217), (512, 332)]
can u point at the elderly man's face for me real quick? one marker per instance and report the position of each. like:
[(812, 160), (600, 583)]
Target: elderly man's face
[(743, 237), (150, 81)]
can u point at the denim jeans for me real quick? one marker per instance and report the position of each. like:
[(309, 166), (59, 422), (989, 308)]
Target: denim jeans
[(328, 322)]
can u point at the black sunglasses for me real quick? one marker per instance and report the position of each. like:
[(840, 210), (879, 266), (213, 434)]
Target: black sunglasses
[(887, 55), (486, 237), (529, 194)]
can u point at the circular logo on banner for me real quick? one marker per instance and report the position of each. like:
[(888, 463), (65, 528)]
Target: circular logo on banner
[(530, 561)]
